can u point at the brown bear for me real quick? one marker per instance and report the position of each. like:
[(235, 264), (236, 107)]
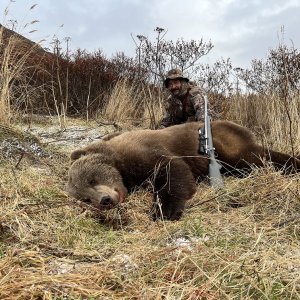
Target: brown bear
[(166, 159)]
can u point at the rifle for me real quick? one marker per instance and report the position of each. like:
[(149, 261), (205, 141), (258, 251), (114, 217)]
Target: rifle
[(206, 147)]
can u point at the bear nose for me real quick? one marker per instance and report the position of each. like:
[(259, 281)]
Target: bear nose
[(106, 201)]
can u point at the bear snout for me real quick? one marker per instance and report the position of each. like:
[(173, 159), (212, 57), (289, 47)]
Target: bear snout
[(106, 202), (105, 197)]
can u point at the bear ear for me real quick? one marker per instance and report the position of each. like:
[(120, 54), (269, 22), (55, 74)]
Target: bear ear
[(77, 154), (109, 136)]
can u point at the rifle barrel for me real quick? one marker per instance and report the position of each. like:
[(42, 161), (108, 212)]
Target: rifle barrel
[(215, 176)]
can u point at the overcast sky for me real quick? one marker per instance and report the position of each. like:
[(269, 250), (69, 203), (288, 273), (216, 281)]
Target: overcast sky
[(239, 29)]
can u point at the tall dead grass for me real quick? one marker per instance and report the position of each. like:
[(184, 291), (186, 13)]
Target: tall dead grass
[(10, 68), (274, 120), (17, 66), (134, 104)]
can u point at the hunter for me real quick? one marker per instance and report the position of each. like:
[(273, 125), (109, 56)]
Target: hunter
[(186, 101)]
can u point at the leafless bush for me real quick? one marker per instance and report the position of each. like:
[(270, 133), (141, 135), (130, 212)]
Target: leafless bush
[(160, 55), (216, 77), (278, 73)]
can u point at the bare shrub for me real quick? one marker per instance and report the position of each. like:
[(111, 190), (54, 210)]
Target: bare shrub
[(160, 55), (216, 78), (280, 70)]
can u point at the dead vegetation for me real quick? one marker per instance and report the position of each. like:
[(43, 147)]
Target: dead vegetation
[(239, 243), (242, 242)]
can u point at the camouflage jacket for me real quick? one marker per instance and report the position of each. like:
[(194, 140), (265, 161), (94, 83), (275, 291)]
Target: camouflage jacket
[(187, 109)]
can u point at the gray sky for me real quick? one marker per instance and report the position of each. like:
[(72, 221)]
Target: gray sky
[(239, 29)]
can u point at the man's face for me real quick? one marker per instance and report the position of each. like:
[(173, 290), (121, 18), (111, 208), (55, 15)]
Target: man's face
[(174, 86)]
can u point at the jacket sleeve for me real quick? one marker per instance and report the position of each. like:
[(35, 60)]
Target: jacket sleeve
[(167, 119), (197, 99)]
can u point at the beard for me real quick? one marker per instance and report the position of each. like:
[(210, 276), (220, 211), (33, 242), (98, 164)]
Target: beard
[(180, 92), (176, 92)]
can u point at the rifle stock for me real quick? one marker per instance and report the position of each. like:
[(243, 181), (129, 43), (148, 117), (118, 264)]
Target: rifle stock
[(215, 177)]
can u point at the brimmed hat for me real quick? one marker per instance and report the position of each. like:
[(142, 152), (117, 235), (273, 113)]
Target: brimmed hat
[(174, 74)]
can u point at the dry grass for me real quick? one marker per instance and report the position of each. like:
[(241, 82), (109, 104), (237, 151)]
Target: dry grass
[(16, 53), (134, 104), (122, 103), (274, 120), (240, 243), (6, 77)]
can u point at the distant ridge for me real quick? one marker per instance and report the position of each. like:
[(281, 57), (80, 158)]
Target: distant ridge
[(27, 44)]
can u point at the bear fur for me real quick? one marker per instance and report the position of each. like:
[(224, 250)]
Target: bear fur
[(168, 160)]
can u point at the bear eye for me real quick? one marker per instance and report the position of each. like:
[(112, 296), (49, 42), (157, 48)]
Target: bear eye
[(92, 182)]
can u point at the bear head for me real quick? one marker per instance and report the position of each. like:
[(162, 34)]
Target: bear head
[(94, 178)]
